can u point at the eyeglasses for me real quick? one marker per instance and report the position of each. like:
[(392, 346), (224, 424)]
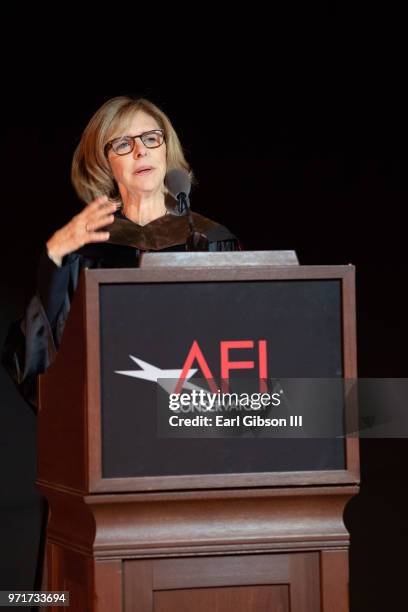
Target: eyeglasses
[(125, 144)]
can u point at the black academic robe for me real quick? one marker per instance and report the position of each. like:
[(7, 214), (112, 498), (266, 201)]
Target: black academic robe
[(33, 341)]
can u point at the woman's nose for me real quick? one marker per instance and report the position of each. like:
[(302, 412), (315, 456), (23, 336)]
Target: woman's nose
[(139, 150)]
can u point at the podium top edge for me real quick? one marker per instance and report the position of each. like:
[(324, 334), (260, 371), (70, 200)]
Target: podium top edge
[(218, 258), (219, 273)]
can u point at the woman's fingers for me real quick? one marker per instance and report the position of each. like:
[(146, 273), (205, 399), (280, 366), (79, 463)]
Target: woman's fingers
[(97, 203), (97, 218), (97, 223), (97, 215), (83, 228), (100, 205), (97, 236)]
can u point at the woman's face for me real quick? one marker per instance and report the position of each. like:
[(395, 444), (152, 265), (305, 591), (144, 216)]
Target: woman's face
[(141, 171)]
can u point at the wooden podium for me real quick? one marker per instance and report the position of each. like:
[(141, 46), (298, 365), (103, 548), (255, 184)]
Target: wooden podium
[(147, 523)]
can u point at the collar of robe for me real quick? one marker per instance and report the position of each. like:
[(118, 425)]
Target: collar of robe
[(162, 233)]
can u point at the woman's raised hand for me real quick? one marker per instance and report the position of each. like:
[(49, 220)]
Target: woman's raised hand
[(82, 229)]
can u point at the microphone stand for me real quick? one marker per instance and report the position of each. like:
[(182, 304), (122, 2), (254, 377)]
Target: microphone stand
[(195, 240)]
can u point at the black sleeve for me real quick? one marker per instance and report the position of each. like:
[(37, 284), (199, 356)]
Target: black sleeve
[(32, 342), (52, 284), (29, 349)]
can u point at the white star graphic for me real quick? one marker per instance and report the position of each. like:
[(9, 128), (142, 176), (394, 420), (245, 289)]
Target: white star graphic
[(154, 374)]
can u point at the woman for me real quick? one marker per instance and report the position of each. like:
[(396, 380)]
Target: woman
[(118, 170)]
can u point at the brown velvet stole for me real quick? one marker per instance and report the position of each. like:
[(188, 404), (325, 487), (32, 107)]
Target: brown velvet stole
[(166, 231)]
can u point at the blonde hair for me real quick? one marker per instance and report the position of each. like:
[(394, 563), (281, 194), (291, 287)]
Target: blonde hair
[(91, 173)]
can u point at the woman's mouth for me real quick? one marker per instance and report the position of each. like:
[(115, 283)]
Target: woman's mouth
[(144, 170)]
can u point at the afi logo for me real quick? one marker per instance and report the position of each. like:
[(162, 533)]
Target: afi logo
[(227, 365)]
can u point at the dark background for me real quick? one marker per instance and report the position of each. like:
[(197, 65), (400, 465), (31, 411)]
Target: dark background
[(300, 145)]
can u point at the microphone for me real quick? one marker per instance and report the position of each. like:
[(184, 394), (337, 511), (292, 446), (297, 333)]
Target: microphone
[(178, 183)]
